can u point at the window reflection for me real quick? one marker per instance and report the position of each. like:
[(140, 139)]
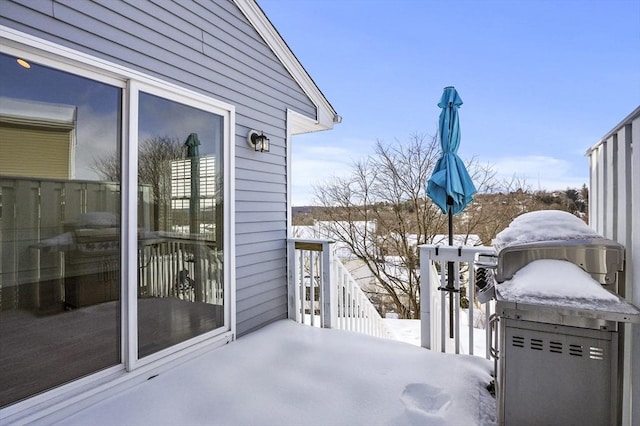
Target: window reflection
[(59, 228), (180, 283)]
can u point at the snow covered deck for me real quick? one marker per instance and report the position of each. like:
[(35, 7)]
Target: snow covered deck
[(292, 374)]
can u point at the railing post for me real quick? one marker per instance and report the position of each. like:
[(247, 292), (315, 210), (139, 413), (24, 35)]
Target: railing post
[(425, 298), (328, 294), (292, 282)]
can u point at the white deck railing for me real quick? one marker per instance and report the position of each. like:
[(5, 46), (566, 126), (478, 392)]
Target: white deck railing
[(323, 293), (436, 319)]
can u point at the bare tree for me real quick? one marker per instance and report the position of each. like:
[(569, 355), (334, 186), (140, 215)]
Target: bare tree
[(382, 214), (497, 203), (154, 169), (387, 189)]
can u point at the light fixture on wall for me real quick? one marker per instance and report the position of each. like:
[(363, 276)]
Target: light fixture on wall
[(258, 140), (23, 63)]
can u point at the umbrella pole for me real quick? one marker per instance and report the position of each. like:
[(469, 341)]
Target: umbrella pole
[(450, 287)]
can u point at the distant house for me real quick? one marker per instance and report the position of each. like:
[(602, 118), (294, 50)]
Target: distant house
[(614, 203), (331, 230), (145, 193)]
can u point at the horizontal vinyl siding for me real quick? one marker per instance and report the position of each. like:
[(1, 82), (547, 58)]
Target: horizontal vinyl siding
[(209, 47)]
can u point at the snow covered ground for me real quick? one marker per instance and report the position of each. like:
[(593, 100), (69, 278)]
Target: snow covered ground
[(408, 331), (291, 374)]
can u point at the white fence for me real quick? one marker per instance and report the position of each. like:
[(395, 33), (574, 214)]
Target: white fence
[(323, 293), (441, 328), (614, 202)]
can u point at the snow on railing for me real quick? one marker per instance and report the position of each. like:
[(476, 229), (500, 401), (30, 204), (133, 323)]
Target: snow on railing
[(435, 315), (322, 292)]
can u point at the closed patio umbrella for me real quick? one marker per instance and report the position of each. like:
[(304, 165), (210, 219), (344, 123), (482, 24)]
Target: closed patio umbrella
[(193, 153), (450, 186)]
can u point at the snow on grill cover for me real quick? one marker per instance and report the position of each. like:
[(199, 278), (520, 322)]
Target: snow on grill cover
[(543, 225), (561, 284)]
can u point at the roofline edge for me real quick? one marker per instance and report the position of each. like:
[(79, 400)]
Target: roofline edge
[(326, 115)]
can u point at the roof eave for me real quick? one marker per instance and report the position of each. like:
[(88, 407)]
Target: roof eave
[(326, 115)]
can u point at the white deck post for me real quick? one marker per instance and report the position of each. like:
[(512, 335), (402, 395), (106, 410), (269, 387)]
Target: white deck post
[(291, 284), (425, 298), (328, 293)]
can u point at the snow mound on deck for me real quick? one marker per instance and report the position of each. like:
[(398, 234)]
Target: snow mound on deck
[(555, 279), (291, 374), (543, 225)]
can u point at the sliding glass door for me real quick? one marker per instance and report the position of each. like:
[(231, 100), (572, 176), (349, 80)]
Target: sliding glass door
[(66, 146), (180, 277), (60, 143)]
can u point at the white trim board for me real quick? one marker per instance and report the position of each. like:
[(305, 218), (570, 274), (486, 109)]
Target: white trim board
[(326, 115)]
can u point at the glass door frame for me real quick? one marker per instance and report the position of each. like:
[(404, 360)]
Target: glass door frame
[(130, 216)]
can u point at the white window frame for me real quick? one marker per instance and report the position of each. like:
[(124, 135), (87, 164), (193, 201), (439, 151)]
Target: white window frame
[(64, 400)]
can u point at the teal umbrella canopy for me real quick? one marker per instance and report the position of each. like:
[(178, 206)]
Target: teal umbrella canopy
[(450, 184)]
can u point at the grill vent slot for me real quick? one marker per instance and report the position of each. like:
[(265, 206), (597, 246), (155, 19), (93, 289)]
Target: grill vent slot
[(559, 347), (536, 344), (596, 353), (575, 350), (517, 341), (555, 347)]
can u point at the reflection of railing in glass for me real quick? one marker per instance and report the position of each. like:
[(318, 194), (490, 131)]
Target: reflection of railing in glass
[(168, 267), (180, 289)]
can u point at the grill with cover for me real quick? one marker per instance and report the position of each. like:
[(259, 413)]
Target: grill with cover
[(558, 322)]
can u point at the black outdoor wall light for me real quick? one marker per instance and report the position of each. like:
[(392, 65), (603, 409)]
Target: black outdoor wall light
[(258, 140)]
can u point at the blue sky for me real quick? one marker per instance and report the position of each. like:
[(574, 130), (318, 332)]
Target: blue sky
[(541, 81)]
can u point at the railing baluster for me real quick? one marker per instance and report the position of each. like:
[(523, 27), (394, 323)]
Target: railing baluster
[(312, 293), (471, 293), (323, 296), (443, 308)]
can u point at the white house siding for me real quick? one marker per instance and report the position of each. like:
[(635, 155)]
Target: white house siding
[(614, 203), (211, 48)]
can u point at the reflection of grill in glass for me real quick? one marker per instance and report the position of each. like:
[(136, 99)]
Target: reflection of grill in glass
[(92, 269), (557, 360)]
